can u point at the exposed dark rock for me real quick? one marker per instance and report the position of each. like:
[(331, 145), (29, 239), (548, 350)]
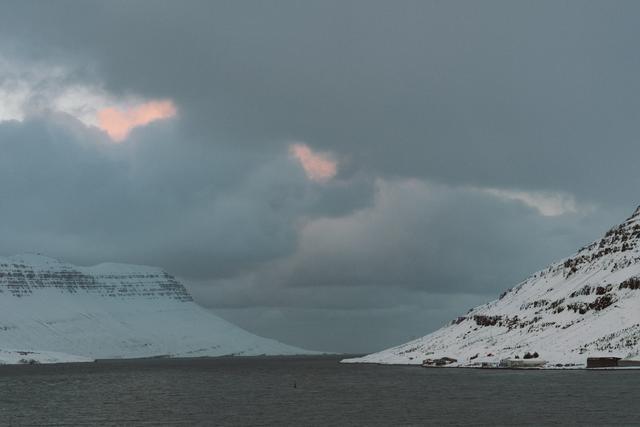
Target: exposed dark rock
[(482, 320), (631, 283), (585, 290), (602, 302), (21, 280), (601, 290)]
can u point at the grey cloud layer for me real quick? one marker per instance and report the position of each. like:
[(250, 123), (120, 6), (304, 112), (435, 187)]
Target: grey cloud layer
[(415, 237), (196, 209), (481, 93)]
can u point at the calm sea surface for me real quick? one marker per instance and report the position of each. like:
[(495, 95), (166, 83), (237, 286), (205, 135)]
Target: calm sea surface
[(260, 391)]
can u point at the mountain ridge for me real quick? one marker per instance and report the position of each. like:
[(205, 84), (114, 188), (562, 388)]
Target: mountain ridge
[(110, 310), (584, 305)]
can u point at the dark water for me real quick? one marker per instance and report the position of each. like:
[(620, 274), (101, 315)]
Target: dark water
[(260, 391)]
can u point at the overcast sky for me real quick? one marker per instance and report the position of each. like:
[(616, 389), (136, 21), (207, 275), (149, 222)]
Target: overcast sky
[(338, 175)]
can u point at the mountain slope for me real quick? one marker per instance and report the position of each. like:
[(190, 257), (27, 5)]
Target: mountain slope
[(112, 311), (585, 305)]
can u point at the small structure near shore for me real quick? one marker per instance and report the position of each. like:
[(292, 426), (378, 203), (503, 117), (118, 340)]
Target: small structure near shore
[(603, 362), (443, 361), (522, 363), (629, 362)]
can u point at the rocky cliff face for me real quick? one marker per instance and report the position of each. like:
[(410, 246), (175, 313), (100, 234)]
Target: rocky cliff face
[(23, 275), (585, 305), (111, 311)]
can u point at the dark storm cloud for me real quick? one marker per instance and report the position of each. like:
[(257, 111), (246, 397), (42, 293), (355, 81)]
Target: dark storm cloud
[(199, 211), (425, 105), (470, 92)]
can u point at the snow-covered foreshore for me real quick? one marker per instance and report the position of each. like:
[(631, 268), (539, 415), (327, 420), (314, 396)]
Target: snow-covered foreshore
[(28, 357)]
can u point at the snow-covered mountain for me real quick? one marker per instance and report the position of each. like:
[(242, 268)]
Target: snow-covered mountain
[(582, 306), (50, 310)]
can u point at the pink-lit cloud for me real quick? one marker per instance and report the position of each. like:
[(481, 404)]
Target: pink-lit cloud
[(317, 166), (119, 122)]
